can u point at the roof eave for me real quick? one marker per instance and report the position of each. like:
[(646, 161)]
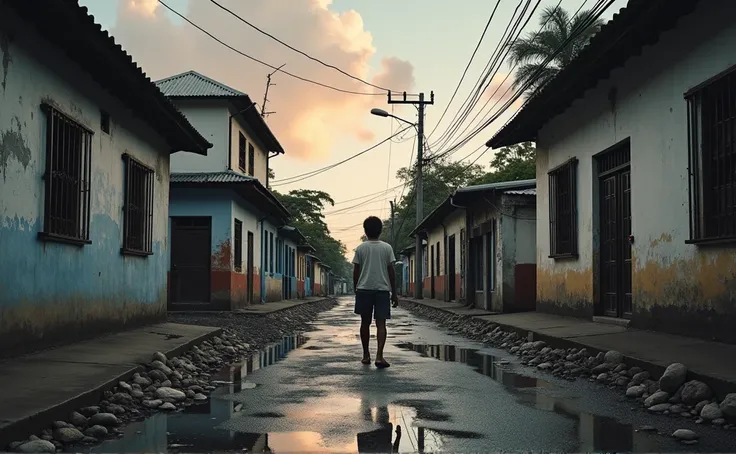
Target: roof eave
[(620, 39)]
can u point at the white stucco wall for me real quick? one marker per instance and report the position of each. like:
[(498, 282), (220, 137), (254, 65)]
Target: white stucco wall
[(650, 110), (52, 291), (210, 119)]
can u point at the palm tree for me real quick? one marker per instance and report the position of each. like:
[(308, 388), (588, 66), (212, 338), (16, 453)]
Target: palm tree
[(531, 52)]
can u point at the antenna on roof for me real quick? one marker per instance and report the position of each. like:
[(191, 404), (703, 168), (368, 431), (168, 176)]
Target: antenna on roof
[(264, 114)]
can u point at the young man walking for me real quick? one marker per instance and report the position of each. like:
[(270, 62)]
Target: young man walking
[(375, 287)]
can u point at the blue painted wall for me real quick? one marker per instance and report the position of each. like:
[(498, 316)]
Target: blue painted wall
[(51, 292)]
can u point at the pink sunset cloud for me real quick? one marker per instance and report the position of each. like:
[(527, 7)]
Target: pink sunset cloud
[(308, 119)]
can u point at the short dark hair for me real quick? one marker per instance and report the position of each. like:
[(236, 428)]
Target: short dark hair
[(372, 227)]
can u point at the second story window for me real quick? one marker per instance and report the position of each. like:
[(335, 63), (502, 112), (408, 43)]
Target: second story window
[(67, 179), (251, 160), (712, 134), (241, 152)]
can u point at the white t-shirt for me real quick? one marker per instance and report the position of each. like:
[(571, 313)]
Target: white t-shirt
[(374, 257)]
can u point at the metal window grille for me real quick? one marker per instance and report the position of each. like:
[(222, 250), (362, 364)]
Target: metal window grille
[(251, 159), (67, 178), (238, 245), (138, 208), (563, 225), (241, 151), (462, 252), (712, 152)]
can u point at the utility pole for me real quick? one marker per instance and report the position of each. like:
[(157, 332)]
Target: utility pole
[(419, 190), (264, 114)]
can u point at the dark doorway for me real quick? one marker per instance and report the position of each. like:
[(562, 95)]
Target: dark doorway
[(190, 260), (249, 264), (451, 269), (615, 230), (431, 271)]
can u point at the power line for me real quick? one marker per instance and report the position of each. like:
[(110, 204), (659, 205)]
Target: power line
[(304, 176), (598, 9), (484, 82), (490, 98), (303, 79), (467, 67), (371, 194), (297, 50)]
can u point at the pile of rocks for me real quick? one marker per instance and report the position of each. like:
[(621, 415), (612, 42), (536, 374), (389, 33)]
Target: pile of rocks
[(260, 330), (672, 394), (170, 384)]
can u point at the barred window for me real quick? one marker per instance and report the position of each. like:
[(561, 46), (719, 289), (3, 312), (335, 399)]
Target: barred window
[(238, 245), (712, 152), (67, 179), (563, 226), (137, 208)]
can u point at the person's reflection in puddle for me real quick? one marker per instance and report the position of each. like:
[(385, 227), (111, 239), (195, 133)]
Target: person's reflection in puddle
[(378, 440)]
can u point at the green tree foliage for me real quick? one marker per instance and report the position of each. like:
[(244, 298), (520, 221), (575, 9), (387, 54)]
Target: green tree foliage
[(271, 174), (305, 206), (532, 51), (440, 179), (517, 162)]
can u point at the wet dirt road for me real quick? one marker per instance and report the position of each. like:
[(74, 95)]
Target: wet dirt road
[(446, 393)]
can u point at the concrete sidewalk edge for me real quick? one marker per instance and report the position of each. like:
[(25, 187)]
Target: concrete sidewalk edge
[(719, 386), (24, 427), (247, 313)]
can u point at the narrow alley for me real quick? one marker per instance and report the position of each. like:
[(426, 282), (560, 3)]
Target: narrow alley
[(310, 393)]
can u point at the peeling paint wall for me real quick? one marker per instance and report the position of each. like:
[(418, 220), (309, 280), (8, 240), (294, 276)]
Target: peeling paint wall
[(513, 223), (453, 223), (677, 287), (51, 292)]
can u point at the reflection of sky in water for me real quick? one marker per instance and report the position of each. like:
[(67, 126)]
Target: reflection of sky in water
[(314, 410)]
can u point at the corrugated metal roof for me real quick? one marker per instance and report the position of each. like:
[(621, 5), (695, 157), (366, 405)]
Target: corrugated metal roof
[(69, 26), (499, 185), (192, 83), (210, 177), (635, 26), (530, 191)]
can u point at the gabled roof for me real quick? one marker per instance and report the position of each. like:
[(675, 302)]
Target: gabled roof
[(66, 25), (637, 25), (292, 232), (249, 188), (461, 195), (193, 85)]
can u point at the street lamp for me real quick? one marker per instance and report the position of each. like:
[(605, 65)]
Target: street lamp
[(382, 113)]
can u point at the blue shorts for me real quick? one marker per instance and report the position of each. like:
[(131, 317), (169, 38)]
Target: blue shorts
[(373, 302)]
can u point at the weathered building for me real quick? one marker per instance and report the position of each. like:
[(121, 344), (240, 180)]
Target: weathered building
[(499, 245), (225, 194), (85, 140), (635, 171)]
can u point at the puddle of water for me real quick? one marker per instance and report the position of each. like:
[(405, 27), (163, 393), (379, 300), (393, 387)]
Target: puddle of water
[(595, 432), (487, 365), (192, 429)]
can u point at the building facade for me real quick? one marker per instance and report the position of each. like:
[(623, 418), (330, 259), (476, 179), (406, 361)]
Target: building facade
[(500, 245), (85, 140), (245, 228), (481, 247), (635, 173)]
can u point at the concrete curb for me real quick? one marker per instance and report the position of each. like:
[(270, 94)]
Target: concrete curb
[(23, 428), (719, 386), (246, 313)]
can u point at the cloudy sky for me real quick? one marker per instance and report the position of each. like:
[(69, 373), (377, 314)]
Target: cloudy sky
[(413, 45)]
